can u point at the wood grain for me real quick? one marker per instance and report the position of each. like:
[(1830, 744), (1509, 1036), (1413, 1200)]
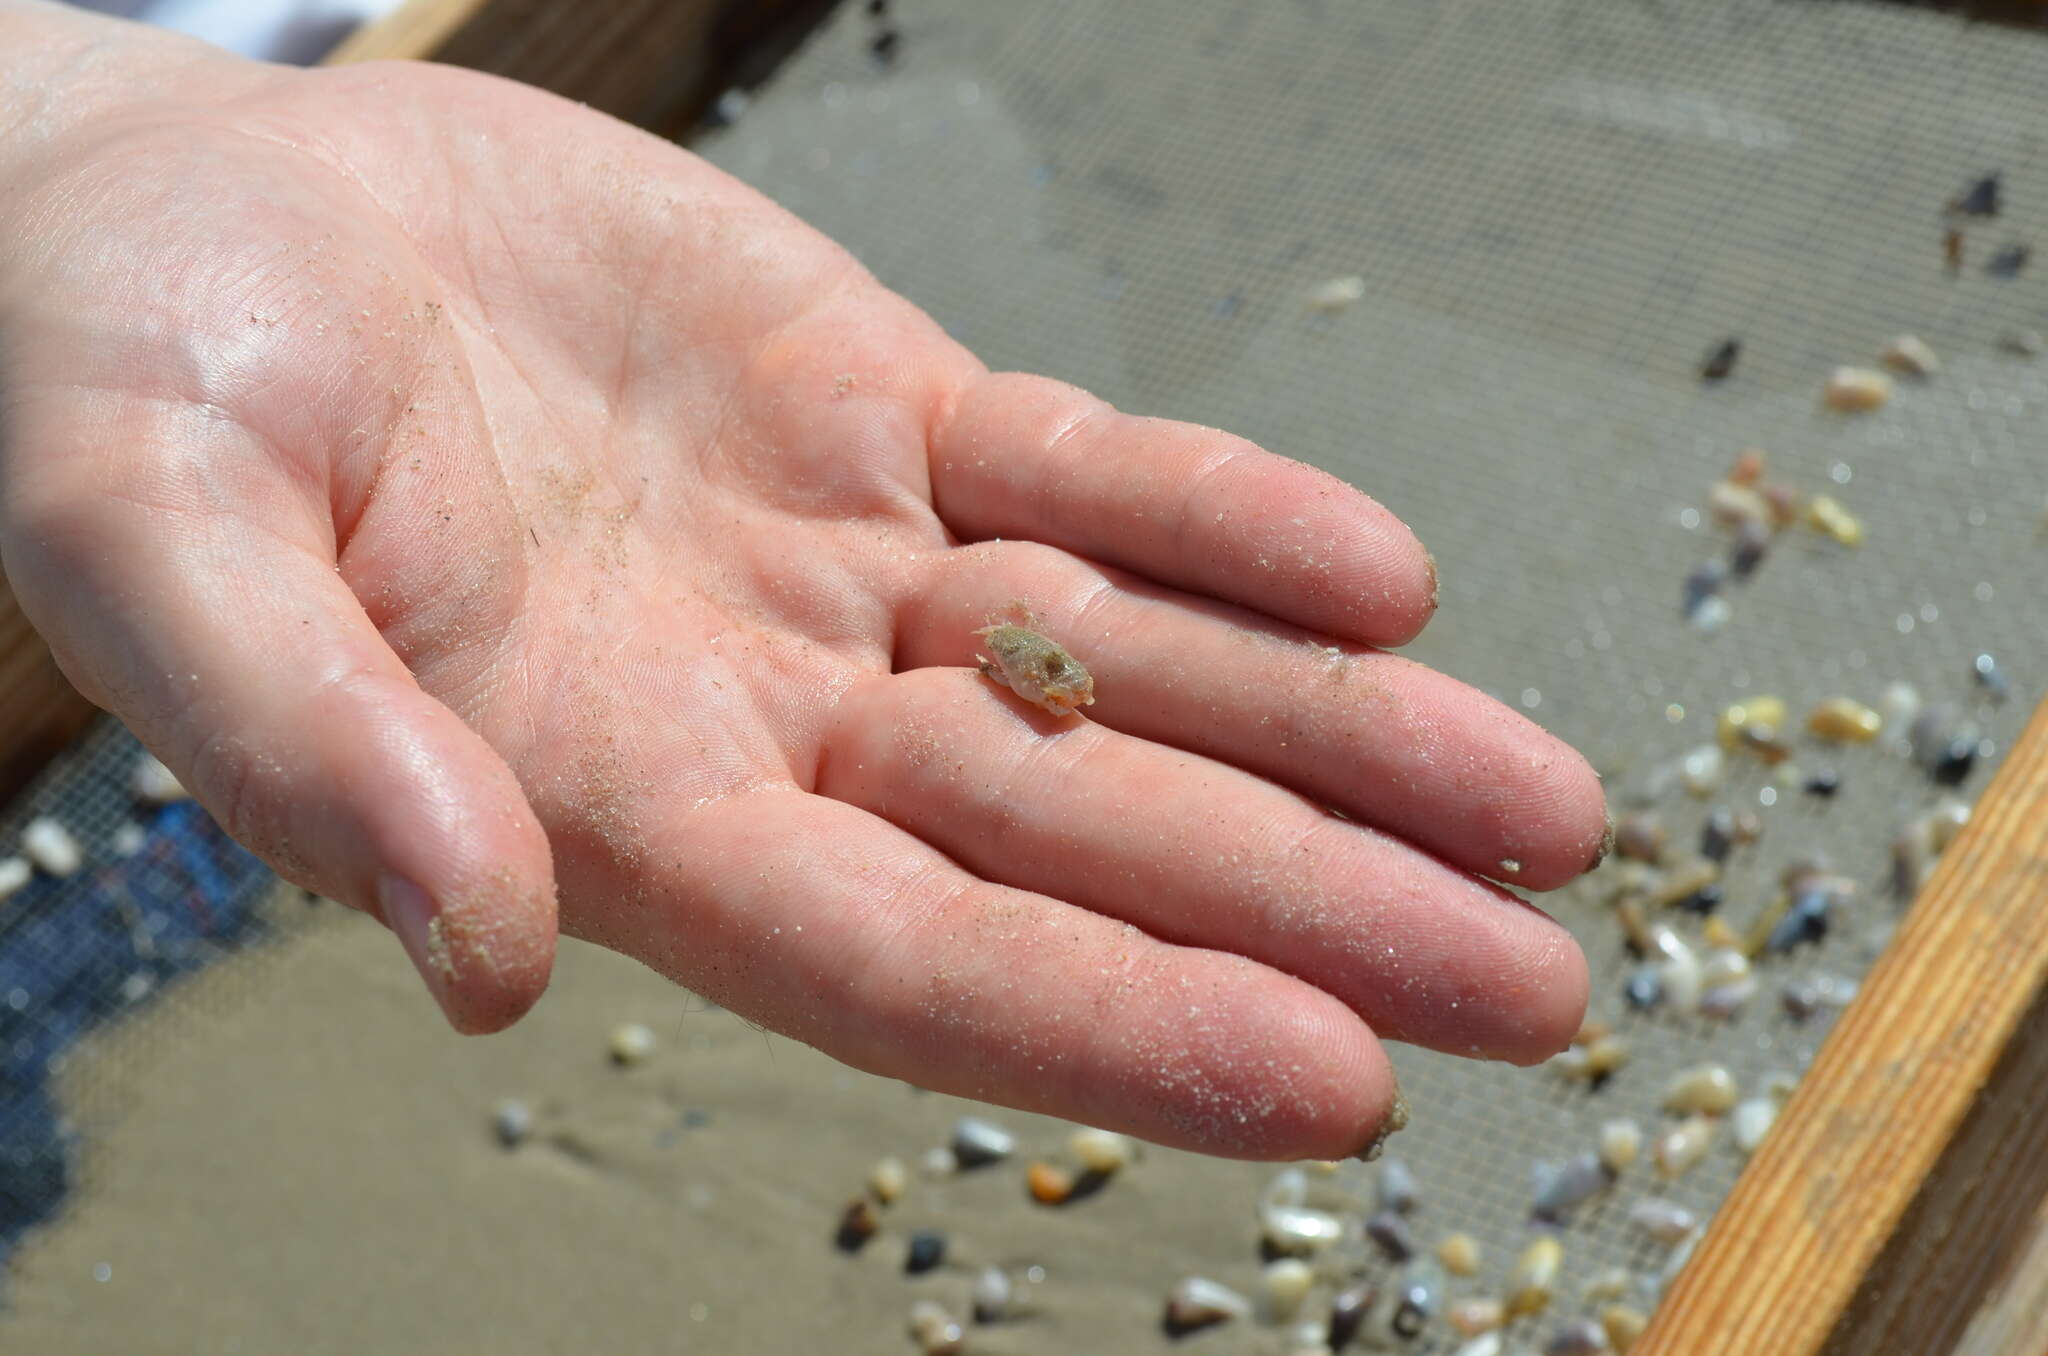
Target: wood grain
[(412, 32), (1884, 1162)]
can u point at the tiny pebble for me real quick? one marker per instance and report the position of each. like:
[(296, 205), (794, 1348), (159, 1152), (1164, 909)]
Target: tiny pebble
[(1285, 1283), (631, 1043), (1621, 1140), (15, 872), (1824, 783), (1389, 1229), (1534, 1276), (1470, 1317), (1460, 1254), (1623, 1325), (1845, 720), (1337, 294), (1611, 1284), (1909, 354), (1752, 542), (1486, 1344), (1100, 1151), (1561, 1186), (48, 844), (1825, 514), (1806, 921), (977, 1142), (2025, 343), (857, 1224), (1666, 1221), (926, 1250), (938, 1162), (1991, 678), (1700, 771), (888, 1179), (1701, 586), (1720, 360), (1580, 1337), (1348, 1311), (1802, 998), (1644, 988), (1398, 1189), (992, 1294), (1198, 1302), (2008, 260), (1751, 1121), (936, 1332), (1295, 1230), (512, 1121), (151, 781), (1856, 389), (1676, 1150), (1738, 719), (1417, 1293), (129, 839), (1049, 1185), (1979, 199)]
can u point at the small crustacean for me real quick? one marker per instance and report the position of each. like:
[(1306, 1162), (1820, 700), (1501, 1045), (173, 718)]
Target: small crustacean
[(1034, 666)]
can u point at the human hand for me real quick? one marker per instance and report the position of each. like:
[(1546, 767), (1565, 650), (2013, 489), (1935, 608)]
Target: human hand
[(468, 495)]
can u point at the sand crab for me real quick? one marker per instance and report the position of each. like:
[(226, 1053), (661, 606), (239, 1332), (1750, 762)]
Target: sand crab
[(1034, 666)]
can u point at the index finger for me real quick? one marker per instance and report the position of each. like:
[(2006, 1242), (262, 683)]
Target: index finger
[(1202, 510)]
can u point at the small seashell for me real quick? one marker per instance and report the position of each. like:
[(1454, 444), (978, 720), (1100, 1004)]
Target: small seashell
[(1825, 514), (1701, 587), (1418, 1292), (512, 1122), (888, 1179), (48, 844), (1534, 1277), (1611, 1284), (993, 1293), (631, 1043), (1288, 1187), (1765, 714), (1802, 998), (1856, 390), (1337, 294), (1991, 678), (1621, 1140), (977, 1142), (1639, 836), (1285, 1283), (1720, 360), (2025, 343), (936, 1332), (151, 781), (1752, 544), (1623, 1325), (1398, 1189), (1348, 1312), (129, 839), (1717, 934), (938, 1162), (1910, 355), (1711, 615), (1722, 1001), (1049, 1185), (1460, 1254), (1707, 1088), (1644, 988), (1946, 820), (1100, 1151), (1389, 1229), (1751, 1121), (1731, 503), (1561, 1186), (1295, 1230), (1676, 1150), (1845, 721), (1823, 783), (15, 872), (1723, 965), (1805, 921), (1701, 770), (1678, 968), (1666, 1221), (1471, 1317), (1486, 1344), (1580, 1337), (857, 1224), (925, 1251)]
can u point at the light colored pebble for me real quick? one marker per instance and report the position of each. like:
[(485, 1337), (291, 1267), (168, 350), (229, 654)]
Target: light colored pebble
[(1460, 1254), (1825, 514), (1285, 1283), (1337, 294), (1534, 1277), (1666, 1221), (1296, 1230), (1845, 721), (48, 844), (129, 839), (1398, 1189), (15, 872), (1678, 1149), (153, 782), (1100, 1151), (1723, 965), (1725, 1000), (938, 1162), (1751, 1121), (888, 1179), (1561, 1186), (1621, 1140), (1701, 770), (1708, 1088), (1197, 1302), (1678, 967), (1752, 713), (977, 1141), (936, 1332), (1733, 503), (1470, 1317), (1911, 356), (2025, 343), (1579, 1337), (1289, 1186), (1856, 390), (512, 1122), (1623, 1325), (992, 1295), (1611, 1284), (631, 1043), (1486, 1344)]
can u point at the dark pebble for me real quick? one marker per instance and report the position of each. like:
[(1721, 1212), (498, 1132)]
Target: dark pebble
[(1806, 921), (856, 1226), (1348, 1311), (1704, 900), (1644, 989), (2008, 262), (1702, 584), (1979, 199), (1720, 360), (1752, 541), (1717, 835), (1391, 1232), (1824, 783), (1953, 765), (927, 1249), (883, 46)]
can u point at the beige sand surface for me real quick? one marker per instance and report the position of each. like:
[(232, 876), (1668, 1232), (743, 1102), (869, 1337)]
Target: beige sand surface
[(295, 1156)]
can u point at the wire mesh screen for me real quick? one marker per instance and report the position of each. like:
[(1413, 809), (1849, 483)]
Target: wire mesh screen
[(1552, 208), (1555, 209)]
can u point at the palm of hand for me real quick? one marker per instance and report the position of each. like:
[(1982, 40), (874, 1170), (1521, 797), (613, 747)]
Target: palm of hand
[(661, 501)]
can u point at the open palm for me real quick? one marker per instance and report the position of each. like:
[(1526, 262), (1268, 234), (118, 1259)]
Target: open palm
[(469, 496)]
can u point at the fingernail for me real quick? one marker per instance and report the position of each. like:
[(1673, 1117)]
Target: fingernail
[(411, 914)]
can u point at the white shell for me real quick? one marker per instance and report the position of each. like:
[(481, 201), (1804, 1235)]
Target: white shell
[(1296, 1230), (1910, 354), (992, 1293), (1707, 1087), (1397, 1187), (1100, 1151), (1288, 1187), (887, 1179), (937, 1332), (976, 1141), (153, 782), (512, 1121), (1856, 389), (15, 872), (1702, 769), (1752, 1121), (1337, 294), (1676, 1150), (129, 839), (1197, 1301), (1285, 1284), (1666, 1221), (631, 1043), (938, 1162), (50, 846), (1621, 1140), (1678, 966)]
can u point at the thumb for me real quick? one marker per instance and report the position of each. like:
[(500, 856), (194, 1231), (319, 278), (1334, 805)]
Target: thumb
[(242, 660)]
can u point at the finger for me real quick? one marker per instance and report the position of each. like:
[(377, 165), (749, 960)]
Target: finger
[(1204, 855), (1385, 740), (1025, 457), (827, 924), (239, 657)]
